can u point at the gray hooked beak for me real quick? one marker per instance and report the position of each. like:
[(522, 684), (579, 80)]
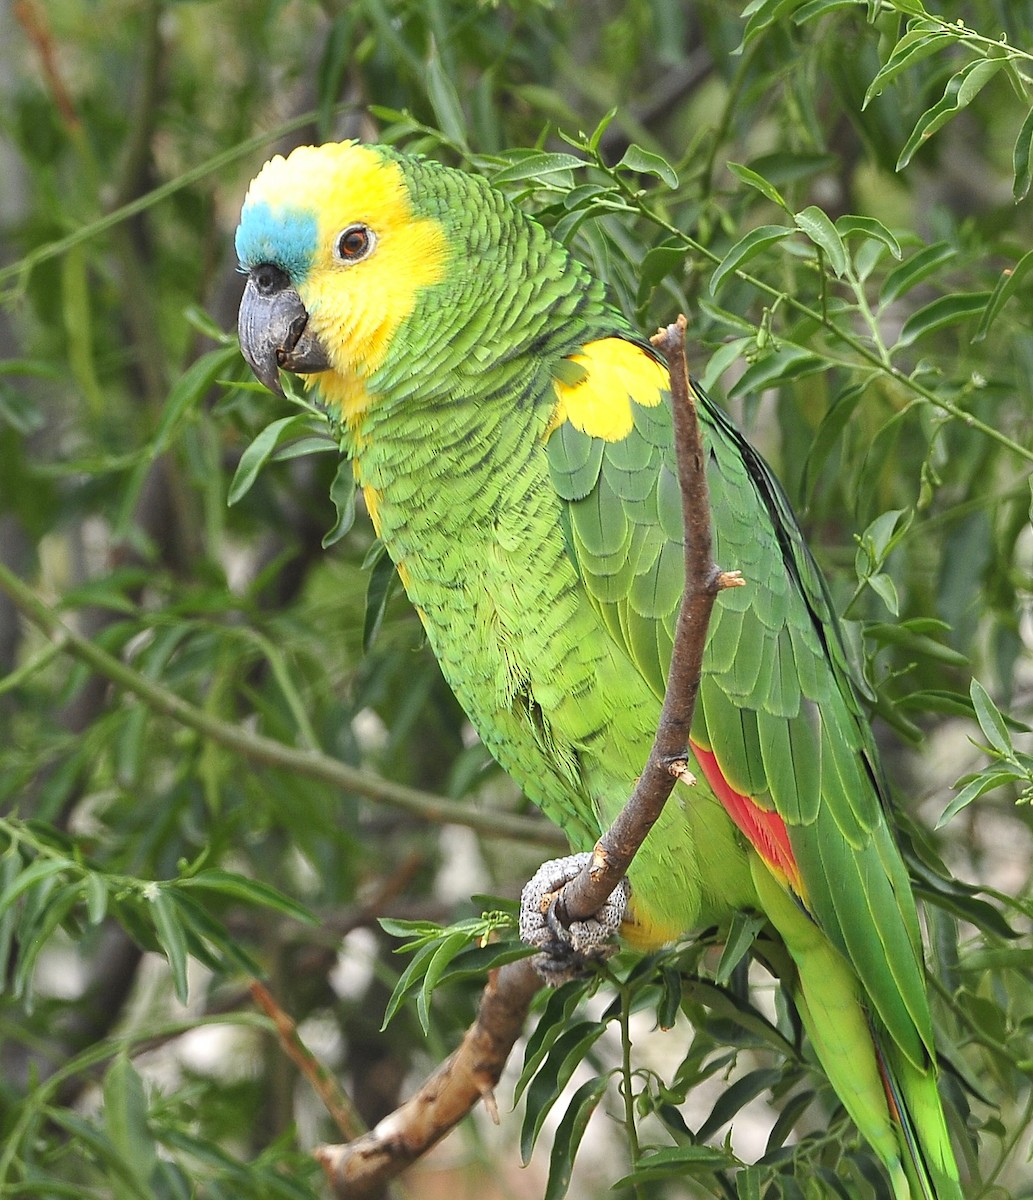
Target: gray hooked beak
[(272, 325)]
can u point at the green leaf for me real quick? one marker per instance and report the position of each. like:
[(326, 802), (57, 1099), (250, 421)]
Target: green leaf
[(563, 1059), (96, 888), (918, 43), (962, 88), (1006, 287), (972, 790), (569, 1133), (851, 225), (819, 228), (446, 950), (745, 248), (735, 1097), (990, 720), (258, 454), (188, 392), (939, 314), (672, 1162), (742, 933), (537, 165), (757, 181), (788, 362), (1021, 159), (342, 493), (444, 99), (383, 579), (913, 270), (554, 1018), (36, 872), (644, 162), (168, 927), (251, 891), (125, 1121)]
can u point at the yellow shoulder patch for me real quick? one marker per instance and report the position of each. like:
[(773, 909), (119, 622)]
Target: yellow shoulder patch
[(613, 373)]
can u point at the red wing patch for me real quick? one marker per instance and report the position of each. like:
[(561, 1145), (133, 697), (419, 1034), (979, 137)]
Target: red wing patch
[(764, 828)]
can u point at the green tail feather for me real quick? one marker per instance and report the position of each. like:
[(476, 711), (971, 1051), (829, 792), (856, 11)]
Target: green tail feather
[(928, 1159)]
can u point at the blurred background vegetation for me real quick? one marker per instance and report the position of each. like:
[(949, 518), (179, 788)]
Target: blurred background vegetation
[(199, 703)]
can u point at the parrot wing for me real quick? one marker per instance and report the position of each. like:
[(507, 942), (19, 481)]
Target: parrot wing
[(778, 731)]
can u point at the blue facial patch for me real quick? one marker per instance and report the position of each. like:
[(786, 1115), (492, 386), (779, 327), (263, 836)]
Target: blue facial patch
[(285, 237)]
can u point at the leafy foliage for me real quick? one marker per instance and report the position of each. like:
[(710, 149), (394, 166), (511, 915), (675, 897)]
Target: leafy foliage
[(218, 716)]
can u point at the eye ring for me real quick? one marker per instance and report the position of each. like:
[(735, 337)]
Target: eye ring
[(354, 243)]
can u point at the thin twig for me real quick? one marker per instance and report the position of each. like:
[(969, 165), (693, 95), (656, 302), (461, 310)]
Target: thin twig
[(321, 1080), (360, 1168)]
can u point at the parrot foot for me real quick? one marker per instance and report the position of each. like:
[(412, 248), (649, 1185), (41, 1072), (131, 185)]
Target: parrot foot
[(567, 952)]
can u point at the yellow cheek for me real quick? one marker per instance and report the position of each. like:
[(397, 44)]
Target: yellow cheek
[(357, 308)]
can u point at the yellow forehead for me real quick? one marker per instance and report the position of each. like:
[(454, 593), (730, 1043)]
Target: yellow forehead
[(355, 308)]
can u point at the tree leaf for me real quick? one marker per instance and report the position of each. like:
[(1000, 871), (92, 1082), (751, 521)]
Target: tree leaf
[(258, 454), (168, 927), (444, 99), (562, 1060), (342, 493), (962, 88), (757, 181), (819, 228), (1021, 159), (990, 720), (984, 782), (1007, 285), (537, 165), (939, 314), (569, 1133), (746, 248), (918, 43), (913, 270), (645, 162)]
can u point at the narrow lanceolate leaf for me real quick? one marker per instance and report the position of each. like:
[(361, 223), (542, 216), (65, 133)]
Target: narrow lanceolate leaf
[(1020, 159), (42, 868), (560, 1064), (644, 162), (972, 790), (1005, 288), (537, 165), (444, 99), (913, 270), (962, 88), (125, 1122), (757, 181), (569, 1133), (948, 310), (258, 454), (251, 891), (342, 493), (169, 930), (819, 228), (848, 225), (746, 248), (916, 44), (990, 720)]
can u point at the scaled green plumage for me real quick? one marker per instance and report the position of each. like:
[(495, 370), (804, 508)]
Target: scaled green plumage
[(515, 449)]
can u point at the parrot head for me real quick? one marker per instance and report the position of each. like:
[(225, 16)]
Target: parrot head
[(337, 248)]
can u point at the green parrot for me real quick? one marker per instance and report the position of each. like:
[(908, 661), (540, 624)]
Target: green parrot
[(512, 438)]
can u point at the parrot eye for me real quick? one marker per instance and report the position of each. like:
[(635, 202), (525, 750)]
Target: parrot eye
[(354, 243)]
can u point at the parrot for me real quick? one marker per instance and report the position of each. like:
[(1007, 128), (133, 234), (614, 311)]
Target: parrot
[(511, 435)]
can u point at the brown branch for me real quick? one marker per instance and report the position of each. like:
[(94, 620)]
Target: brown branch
[(361, 1167), (34, 23)]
